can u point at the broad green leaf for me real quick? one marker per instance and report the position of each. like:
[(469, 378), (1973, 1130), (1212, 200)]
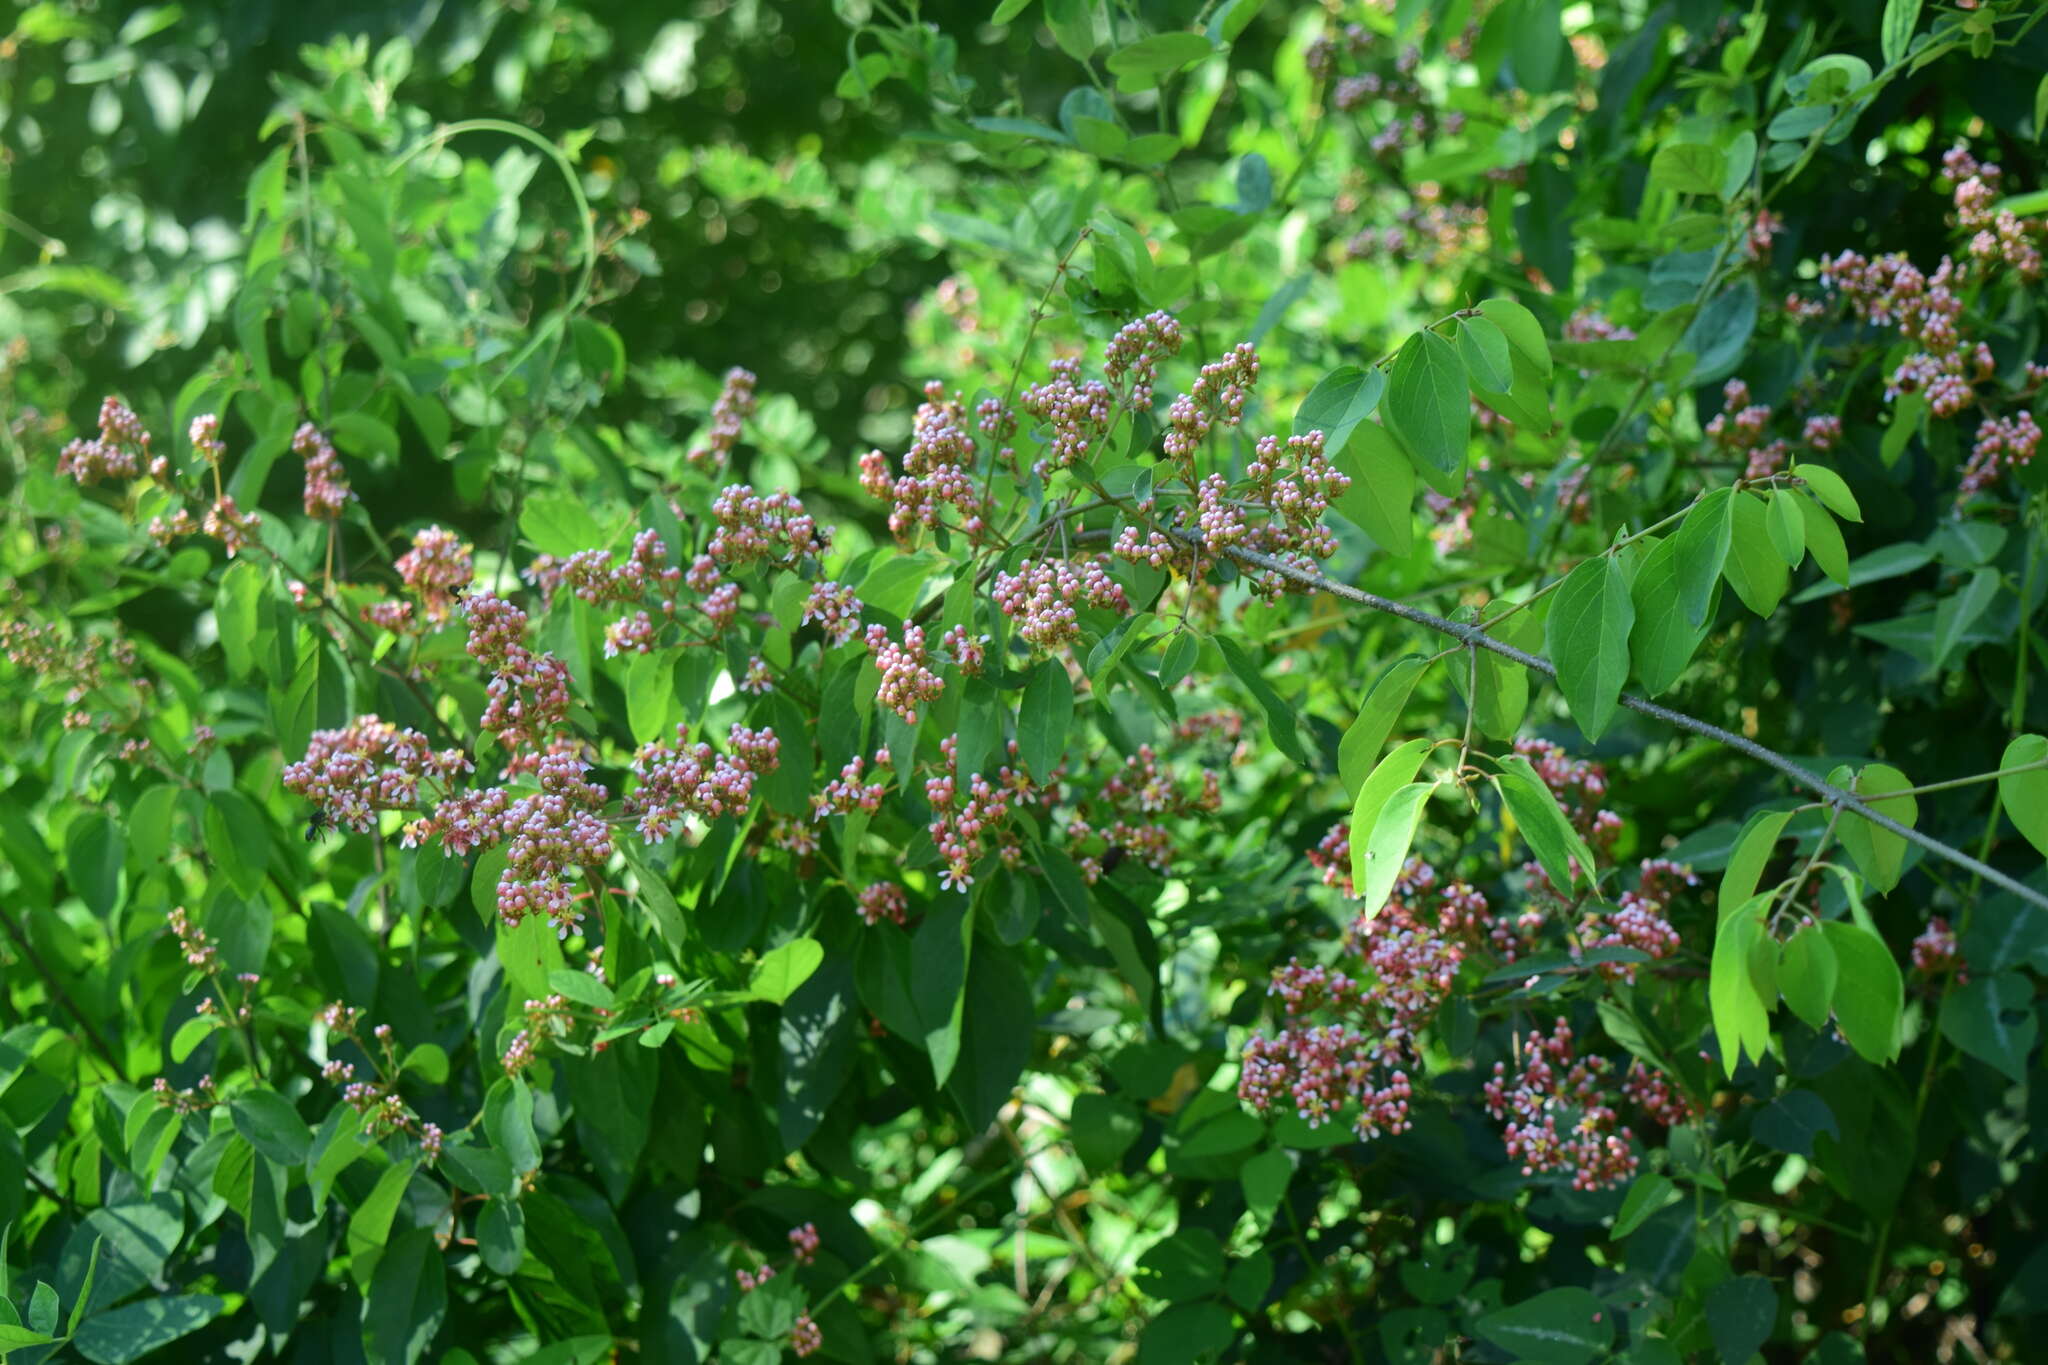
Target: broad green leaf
[(1544, 827), (134, 1330), (1741, 1015), (508, 1122), (1992, 1019), (1483, 348), (1044, 717), (1265, 1178), (1661, 642), (1648, 1193), (1869, 992), (501, 1235), (1750, 855), (1186, 1265), (1787, 527), (781, 970), (1703, 539), (1908, 414), (581, 987), (1428, 410), (1878, 853), (1689, 168), (407, 1301), (1381, 498), (1359, 750), (2025, 795), (1527, 400), (1144, 64), (1719, 335), (1806, 974), (1755, 569), (1558, 1327), (1792, 1121), (369, 1227), (1901, 17), (1388, 776), (272, 1126), (1179, 657), (1515, 765), (1740, 1315), (1074, 27), (95, 851), (1522, 330), (1956, 613), (1103, 1128), (1503, 693), (559, 523), (1831, 489), (1741, 154), (1587, 637), (1279, 715), (1824, 541), (1392, 834), (940, 955), (1340, 400)]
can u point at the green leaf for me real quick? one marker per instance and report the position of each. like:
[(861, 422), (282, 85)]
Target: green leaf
[(1186, 1265), (1340, 400), (1483, 348), (1544, 827), (1145, 63), (1741, 1015), (781, 970), (1870, 995), (1824, 541), (1792, 1121), (1992, 1019), (1103, 1129), (1661, 642), (272, 1126), (1703, 540), (1428, 410), (1908, 414), (1009, 10), (1359, 750), (1381, 498), (1787, 527), (369, 1227), (581, 987), (1503, 685), (1741, 156), (1755, 569), (1719, 335), (131, 1332), (560, 524), (1878, 853), (1560, 1327), (1587, 638), (940, 957), (2025, 795), (238, 839), (1831, 489), (1279, 715), (1043, 719), (1647, 1193), (1688, 168), (1749, 856), (1074, 28), (1520, 327), (508, 1122), (95, 851), (1387, 849), (1265, 1178), (1901, 17), (1388, 776), (407, 1301), (1956, 613), (1807, 971), (501, 1235), (651, 709), (235, 614), (1740, 1315)]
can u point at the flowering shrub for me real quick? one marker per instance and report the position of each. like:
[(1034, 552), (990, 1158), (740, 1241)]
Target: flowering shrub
[(1144, 827)]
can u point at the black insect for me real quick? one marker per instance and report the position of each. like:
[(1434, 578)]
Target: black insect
[(1116, 854), (319, 824)]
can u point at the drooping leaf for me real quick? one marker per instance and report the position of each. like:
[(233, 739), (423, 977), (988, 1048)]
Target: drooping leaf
[(1359, 751), (1587, 638), (1869, 992), (1388, 776), (1878, 854), (1702, 542), (1428, 410), (2025, 794), (1381, 498), (1741, 1015)]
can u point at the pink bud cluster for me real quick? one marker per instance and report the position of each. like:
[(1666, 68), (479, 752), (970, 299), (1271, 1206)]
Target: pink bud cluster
[(2000, 237), (836, 610), (121, 451), (1219, 394), (680, 779), (367, 766), (1135, 351), (1130, 810), (804, 1336), (77, 661), (938, 471), (593, 578), (880, 901), (803, 1243), (437, 567), (228, 523), (1555, 1085), (1044, 595), (327, 494), (907, 677), (735, 404), (1639, 919), (763, 528), (1738, 431), (2003, 443), (961, 829), (193, 944), (1935, 950), (1079, 412), (528, 691), (1427, 232), (846, 793)]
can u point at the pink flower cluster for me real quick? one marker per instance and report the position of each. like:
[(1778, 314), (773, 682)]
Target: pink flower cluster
[(735, 404), (1044, 595), (1219, 394), (1554, 1084), (327, 494), (1737, 431), (1935, 950), (121, 451), (2003, 443), (368, 766), (529, 691), (1135, 351), (907, 677), (680, 779), (766, 528), (1129, 811), (437, 567), (846, 793), (960, 829), (836, 610), (1079, 412), (880, 901), (1638, 920), (593, 578), (938, 471)]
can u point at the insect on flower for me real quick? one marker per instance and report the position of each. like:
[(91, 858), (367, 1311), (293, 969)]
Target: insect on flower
[(319, 824)]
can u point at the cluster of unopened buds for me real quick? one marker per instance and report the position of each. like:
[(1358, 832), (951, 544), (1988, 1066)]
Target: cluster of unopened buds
[(1044, 596), (367, 766), (960, 829), (1935, 951), (544, 1019), (1559, 1117), (770, 529), (197, 1098), (1639, 919), (938, 469), (681, 779), (529, 690), (735, 404), (835, 610), (327, 494), (2002, 443), (908, 680), (1130, 809), (55, 652), (120, 451)]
